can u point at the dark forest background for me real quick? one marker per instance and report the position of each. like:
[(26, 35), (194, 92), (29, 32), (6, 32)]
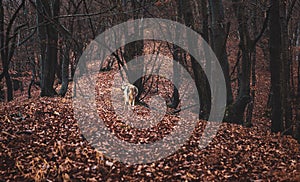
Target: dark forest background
[(256, 42)]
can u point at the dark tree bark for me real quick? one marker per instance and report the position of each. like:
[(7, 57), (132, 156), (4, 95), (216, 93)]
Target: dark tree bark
[(205, 88), (65, 70), (250, 107), (2, 94), (8, 45), (177, 55), (185, 13), (286, 69), (275, 66), (33, 75), (218, 41), (280, 69), (236, 113), (48, 36), (132, 50), (205, 26), (297, 128), (244, 103), (70, 45), (59, 62)]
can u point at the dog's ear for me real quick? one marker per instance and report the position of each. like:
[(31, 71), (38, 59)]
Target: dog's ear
[(136, 91), (123, 85)]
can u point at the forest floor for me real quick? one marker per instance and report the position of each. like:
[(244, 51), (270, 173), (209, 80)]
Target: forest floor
[(41, 140)]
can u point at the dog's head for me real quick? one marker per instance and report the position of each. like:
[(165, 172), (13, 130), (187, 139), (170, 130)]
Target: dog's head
[(123, 86)]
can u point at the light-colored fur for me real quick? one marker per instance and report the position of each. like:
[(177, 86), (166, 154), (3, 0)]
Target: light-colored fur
[(130, 92)]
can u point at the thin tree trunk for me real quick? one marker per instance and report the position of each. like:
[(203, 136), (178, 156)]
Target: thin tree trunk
[(218, 41), (205, 27), (206, 92), (285, 66), (7, 46), (177, 55), (132, 50), (250, 107), (297, 128), (185, 13), (238, 109), (65, 71)]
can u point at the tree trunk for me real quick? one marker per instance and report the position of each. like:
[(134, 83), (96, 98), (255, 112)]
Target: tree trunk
[(48, 36), (250, 108), (285, 66), (236, 114), (297, 128), (133, 50), (205, 89), (59, 64), (276, 68), (177, 55), (218, 41), (9, 86), (65, 71), (185, 13), (205, 27), (4, 56), (7, 46)]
